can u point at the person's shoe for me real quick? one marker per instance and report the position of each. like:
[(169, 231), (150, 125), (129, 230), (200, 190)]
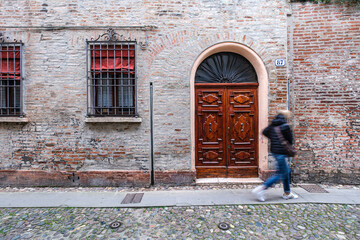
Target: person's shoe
[(259, 193), (290, 196)]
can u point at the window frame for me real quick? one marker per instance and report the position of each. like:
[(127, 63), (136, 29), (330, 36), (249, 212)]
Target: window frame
[(10, 109), (92, 104)]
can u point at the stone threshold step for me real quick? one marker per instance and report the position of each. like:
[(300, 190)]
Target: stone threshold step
[(244, 181)]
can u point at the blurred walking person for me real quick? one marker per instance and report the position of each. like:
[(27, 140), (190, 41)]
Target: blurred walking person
[(277, 132)]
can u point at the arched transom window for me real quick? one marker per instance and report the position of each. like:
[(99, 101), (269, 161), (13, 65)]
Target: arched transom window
[(225, 67)]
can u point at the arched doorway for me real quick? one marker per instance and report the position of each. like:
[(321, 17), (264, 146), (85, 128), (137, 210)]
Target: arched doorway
[(226, 117)]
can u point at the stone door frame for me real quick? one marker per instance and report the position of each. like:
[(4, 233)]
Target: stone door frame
[(262, 75)]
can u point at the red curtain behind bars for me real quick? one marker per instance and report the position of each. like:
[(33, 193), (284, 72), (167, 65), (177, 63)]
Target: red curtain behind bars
[(10, 62), (112, 57)]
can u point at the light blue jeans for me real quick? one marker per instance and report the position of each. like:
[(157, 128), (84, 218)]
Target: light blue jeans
[(282, 173)]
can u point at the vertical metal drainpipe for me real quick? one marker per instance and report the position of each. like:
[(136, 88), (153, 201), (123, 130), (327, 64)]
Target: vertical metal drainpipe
[(289, 51), (288, 94), (152, 177), (288, 100)]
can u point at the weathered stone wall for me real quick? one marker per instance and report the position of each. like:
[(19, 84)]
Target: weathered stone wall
[(325, 52)]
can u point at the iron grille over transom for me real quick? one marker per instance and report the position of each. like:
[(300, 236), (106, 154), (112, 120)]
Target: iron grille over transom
[(111, 74), (10, 79), (225, 67)]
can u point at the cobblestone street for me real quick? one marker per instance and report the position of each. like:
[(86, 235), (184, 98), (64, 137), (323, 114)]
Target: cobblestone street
[(281, 221)]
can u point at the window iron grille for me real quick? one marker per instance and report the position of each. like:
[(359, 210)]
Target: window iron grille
[(111, 77), (11, 79)]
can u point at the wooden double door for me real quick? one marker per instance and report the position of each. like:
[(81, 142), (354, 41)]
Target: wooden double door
[(226, 129)]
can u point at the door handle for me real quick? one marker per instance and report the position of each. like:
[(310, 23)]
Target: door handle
[(242, 127), (210, 130)]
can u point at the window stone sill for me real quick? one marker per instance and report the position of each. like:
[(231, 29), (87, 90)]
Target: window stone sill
[(14, 120), (113, 120)]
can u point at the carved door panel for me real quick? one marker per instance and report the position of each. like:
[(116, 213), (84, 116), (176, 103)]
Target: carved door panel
[(226, 131), (242, 127), (210, 135)]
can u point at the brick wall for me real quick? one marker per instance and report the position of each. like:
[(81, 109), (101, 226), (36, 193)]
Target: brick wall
[(325, 53), (58, 139)]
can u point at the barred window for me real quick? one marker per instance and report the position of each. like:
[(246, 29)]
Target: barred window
[(10, 79), (111, 78)]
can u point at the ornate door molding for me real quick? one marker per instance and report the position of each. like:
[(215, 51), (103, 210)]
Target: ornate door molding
[(226, 130)]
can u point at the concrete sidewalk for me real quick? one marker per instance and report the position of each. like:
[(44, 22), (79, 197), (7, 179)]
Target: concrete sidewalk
[(172, 198)]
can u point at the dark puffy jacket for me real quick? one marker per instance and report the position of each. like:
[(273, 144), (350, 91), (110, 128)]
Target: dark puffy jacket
[(269, 132)]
